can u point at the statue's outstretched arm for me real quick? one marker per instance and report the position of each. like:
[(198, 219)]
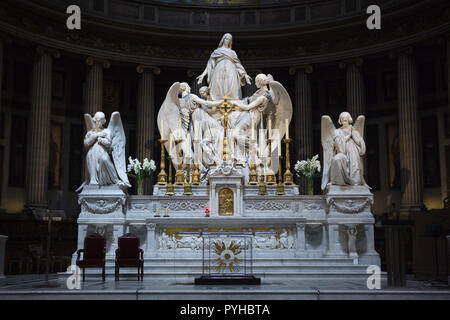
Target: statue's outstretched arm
[(256, 103), (204, 102)]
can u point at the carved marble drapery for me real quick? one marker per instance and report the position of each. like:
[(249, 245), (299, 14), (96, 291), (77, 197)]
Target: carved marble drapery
[(303, 140), (93, 98), (39, 128), (146, 115), (356, 94), (409, 134)]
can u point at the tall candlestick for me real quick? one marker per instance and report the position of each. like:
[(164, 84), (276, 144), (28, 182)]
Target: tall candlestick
[(170, 145), (162, 129), (196, 129), (253, 129), (279, 143), (269, 128), (189, 144), (287, 129)]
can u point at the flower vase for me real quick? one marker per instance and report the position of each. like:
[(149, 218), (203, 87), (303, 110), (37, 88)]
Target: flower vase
[(310, 186), (140, 188)]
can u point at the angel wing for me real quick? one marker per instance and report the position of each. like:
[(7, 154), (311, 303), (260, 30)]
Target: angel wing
[(89, 122), (283, 106), (170, 113), (359, 125), (118, 141), (327, 128)]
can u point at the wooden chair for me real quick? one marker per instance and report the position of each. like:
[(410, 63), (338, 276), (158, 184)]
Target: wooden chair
[(93, 253), (129, 255)]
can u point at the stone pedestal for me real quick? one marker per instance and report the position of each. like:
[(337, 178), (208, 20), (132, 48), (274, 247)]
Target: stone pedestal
[(2, 255), (102, 211), (349, 208)]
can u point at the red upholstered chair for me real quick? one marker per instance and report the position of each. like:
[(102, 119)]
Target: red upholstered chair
[(129, 255), (93, 253)]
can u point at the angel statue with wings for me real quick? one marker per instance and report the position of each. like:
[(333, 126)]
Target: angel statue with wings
[(105, 157), (178, 107), (342, 151), (270, 100)]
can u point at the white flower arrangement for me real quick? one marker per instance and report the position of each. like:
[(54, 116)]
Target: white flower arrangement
[(308, 167), (141, 170)]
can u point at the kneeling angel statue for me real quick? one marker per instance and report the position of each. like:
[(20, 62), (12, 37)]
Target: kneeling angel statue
[(342, 151), (105, 157)]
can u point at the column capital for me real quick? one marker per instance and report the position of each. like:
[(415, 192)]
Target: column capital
[(405, 51), (41, 50), (142, 67), (91, 60), (358, 61), (300, 68)]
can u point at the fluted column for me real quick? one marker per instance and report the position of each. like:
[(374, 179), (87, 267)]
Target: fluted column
[(39, 128), (1, 72), (448, 81), (302, 119), (146, 115), (194, 85), (93, 99), (356, 94), (409, 134)]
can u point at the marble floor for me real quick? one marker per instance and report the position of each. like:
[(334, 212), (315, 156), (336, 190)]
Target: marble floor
[(34, 287)]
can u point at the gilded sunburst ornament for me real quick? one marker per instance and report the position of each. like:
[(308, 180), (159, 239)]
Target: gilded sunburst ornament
[(227, 256)]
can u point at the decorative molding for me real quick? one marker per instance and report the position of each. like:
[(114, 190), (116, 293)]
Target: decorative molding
[(349, 205), (268, 205), (101, 206), (188, 205)]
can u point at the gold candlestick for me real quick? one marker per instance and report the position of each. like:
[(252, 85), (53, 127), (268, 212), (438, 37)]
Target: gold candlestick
[(262, 188), (253, 179), (196, 173), (187, 185), (179, 175), (288, 176), (270, 175), (162, 175), (280, 185), (169, 187)]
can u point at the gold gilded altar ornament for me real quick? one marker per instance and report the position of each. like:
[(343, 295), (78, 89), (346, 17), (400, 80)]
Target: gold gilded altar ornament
[(226, 202)]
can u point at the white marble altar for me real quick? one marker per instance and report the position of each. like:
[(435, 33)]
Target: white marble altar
[(294, 236)]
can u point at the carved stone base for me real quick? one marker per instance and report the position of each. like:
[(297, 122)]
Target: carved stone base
[(102, 200)]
